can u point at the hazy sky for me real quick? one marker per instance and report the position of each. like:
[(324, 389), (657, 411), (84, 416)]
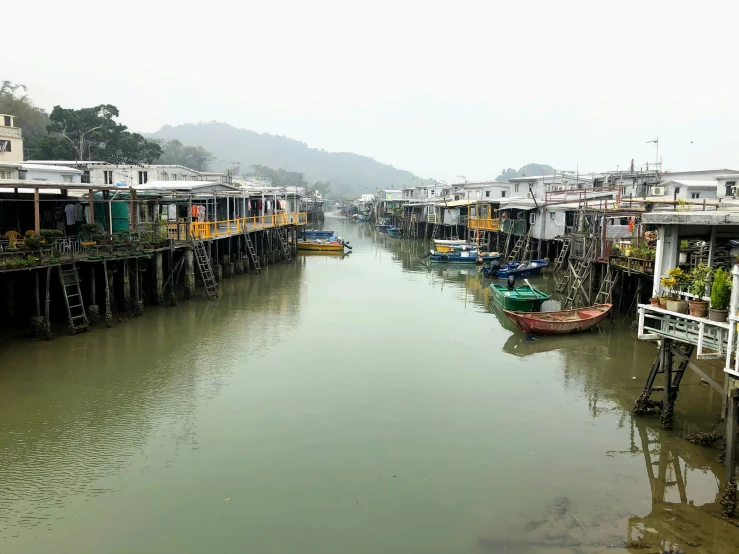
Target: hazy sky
[(440, 89)]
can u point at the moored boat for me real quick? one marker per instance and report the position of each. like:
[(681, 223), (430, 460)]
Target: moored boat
[(562, 322), (315, 246), (382, 228), (464, 256), (315, 233), (521, 269), (451, 245), (395, 232), (520, 299)]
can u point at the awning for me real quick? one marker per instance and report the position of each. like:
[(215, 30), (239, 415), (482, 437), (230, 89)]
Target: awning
[(518, 207), (458, 203)]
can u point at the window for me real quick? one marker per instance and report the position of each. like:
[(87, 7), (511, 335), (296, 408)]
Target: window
[(143, 177), (4, 174), (108, 176), (515, 187), (532, 218), (551, 216), (695, 194), (67, 178), (8, 123), (677, 190), (502, 194), (5, 146), (487, 194), (730, 188)]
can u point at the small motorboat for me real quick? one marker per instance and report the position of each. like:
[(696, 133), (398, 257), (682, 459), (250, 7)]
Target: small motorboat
[(332, 244), (381, 228), (562, 322), (464, 256), (521, 269), (519, 299), (395, 231), (316, 234)]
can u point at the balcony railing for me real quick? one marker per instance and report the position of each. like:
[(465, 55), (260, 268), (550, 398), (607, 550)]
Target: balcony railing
[(483, 224), (204, 230), (10, 132)]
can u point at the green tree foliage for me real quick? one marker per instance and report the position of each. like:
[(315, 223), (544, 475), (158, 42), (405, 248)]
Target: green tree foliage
[(94, 134), (280, 177), (175, 153), (30, 118), (324, 187), (529, 170)]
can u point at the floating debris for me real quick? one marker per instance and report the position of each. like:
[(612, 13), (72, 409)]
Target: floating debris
[(704, 439)]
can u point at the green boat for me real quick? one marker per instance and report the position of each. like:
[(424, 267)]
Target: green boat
[(520, 299)]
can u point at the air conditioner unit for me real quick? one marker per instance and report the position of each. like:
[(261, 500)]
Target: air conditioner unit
[(658, 191), (560, 187)]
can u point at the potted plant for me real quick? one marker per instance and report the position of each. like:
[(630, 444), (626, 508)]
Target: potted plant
[(674, 281), (720, 296), (654, 301), (684, 245), (700, 276)]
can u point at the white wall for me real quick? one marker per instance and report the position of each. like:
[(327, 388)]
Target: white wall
[(57, 175), (129, 174), (547, 225)]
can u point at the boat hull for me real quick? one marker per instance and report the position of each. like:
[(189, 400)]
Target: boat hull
[(318, 234), (318, 247), (395, 232), (520, 299), (563, 322), (510, 269), (448, 258)]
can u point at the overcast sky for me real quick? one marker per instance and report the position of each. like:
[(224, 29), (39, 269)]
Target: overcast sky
[(439, 88)]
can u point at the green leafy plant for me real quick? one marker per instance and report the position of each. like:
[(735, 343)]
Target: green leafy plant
[(682, 205), (51, 234), (122, 236), (87, 230), (700, 277), (721, 290), (31, 242), (684, 245), (675, 280)]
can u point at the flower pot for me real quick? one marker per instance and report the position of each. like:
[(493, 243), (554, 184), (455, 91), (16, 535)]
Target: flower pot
[(683, 258), (663, 302), (718, 315), (654, 301), (679, 306), (698, 308)]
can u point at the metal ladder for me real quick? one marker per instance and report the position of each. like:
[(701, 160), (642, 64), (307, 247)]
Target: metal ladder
[(606, 287), (285, 246), (70, 280), (559, 262), (252, 253), (206, 270)]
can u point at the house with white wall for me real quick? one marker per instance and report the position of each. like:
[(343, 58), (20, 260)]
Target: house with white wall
[(11, 140)]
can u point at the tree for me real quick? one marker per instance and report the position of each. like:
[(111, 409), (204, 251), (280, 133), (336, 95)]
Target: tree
[(529, 170), (281, 177), (93, 133), (30, 118), (324, 187), (175, 153)]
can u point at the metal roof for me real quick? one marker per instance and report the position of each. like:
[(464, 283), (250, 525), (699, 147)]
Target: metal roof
[(186, 186), (457, 203)]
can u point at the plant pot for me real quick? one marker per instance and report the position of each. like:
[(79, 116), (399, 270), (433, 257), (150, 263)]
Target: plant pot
[(698, 308), (654, 301), (679, 306), (663, 302), (683, 258), (718, 315)]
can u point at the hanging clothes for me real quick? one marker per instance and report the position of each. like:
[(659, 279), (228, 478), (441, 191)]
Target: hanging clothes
[(87, 214), (69, 214), (79, 213), (172, 212)]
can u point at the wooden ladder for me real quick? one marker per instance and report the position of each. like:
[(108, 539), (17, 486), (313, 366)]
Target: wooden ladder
[(517, 248), (436, 228), (70, 280), (252, 253), (579, 272), (206, 270), (606, 287), (284, 244), (559, 262)]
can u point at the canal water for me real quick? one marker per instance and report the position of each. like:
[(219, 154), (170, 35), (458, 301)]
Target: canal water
[(365, 404)]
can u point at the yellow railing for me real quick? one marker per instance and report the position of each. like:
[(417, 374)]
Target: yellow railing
[(483, 224), (204, 230)]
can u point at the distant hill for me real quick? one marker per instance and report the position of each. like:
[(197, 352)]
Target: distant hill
[(348, 173), (529, 170)]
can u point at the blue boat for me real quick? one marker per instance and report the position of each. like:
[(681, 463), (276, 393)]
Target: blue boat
[(521, 269), (315, 234), (383, 228), (395, 232), (464, 257)]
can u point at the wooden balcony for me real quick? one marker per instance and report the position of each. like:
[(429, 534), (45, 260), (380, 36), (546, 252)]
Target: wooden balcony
[(712, 338), (483, 224)]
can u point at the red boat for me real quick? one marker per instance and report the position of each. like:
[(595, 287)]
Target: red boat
[(562, 322)]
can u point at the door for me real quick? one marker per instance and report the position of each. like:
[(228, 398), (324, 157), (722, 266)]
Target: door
[(119, 211)]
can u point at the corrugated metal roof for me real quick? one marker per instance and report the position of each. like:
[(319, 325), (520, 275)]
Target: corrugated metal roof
[(457, 203)]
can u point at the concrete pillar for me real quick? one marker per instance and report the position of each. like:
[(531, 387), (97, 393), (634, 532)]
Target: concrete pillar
[(93, 310), (189, 274), (127, 303), (666, 256), (159, 278)]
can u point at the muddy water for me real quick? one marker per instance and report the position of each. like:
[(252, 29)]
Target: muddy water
[(365, 404)]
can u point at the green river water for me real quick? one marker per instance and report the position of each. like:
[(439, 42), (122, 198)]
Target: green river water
[(370, 404)]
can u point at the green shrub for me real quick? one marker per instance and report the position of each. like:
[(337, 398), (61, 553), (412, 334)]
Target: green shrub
[(721, 290)]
